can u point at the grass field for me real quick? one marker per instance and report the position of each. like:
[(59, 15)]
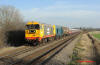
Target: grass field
[(97, 35)]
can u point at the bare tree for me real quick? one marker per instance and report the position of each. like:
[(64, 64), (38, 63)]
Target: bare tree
[(10, 19)]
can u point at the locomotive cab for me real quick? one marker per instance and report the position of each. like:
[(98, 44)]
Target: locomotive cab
[(32, 28), (32, 32)]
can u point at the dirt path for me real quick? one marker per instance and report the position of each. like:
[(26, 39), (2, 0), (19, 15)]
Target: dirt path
[(89, 53), (84, 51)]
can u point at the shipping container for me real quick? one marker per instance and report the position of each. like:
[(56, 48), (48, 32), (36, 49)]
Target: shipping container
[(59, 31)]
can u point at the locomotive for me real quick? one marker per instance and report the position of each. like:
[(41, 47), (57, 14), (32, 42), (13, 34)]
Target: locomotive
[(36, 32)]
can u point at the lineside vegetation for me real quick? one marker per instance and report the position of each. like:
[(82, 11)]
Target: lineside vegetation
[(10, 20)]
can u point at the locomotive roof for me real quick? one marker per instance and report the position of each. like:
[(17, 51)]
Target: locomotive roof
[(34, 22)]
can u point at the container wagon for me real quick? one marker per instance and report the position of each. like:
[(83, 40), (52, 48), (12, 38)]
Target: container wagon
[(65, 31), (59, 32)]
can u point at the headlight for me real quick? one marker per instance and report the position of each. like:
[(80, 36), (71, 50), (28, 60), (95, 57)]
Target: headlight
[(26, 31), (32, 31)]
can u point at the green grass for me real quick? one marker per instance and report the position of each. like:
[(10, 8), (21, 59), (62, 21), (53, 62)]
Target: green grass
[(97, 35)]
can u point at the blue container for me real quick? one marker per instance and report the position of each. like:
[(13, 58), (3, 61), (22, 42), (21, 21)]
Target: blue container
[(59, 31)]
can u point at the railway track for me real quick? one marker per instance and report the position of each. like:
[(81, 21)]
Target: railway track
[(49, 54), (20, 51), (11, 57), (33, 56)]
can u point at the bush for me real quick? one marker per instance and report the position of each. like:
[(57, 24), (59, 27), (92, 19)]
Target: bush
[(10, 20)]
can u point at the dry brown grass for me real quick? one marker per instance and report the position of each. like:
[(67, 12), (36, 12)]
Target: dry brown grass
[(83, 51)]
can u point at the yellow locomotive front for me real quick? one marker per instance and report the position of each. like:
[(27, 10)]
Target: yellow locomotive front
[(32, 32)]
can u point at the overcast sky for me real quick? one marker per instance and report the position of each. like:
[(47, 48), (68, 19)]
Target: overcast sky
[(71, 13)]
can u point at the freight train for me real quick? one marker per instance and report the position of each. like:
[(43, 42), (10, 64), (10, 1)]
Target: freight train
[(36, 32)]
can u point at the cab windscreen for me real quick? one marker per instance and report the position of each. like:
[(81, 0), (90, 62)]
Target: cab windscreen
[(35, 26)]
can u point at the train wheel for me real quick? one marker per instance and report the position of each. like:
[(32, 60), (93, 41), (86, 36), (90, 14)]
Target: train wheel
[(46, 40), (35, 43), (43, 41), (53, 38)]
